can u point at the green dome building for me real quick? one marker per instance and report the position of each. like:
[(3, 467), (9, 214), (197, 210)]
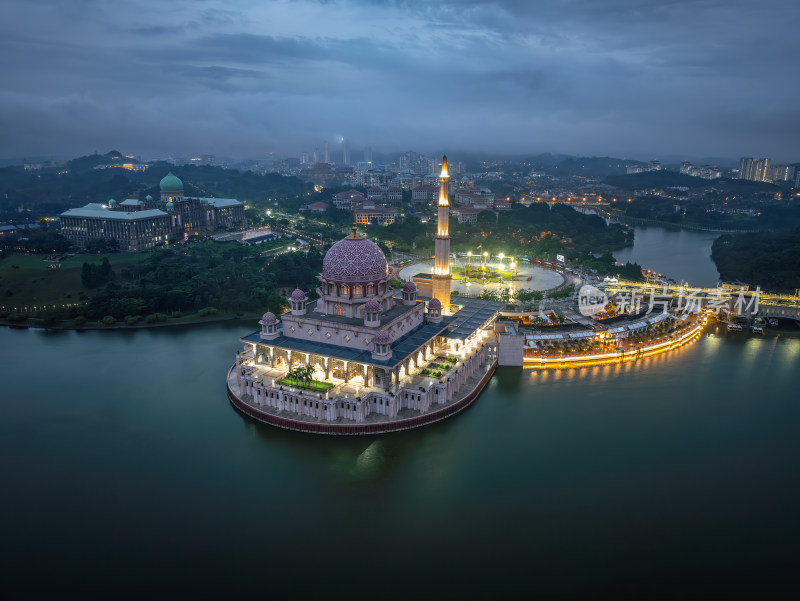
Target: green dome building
[(171, 188), (171, 183)]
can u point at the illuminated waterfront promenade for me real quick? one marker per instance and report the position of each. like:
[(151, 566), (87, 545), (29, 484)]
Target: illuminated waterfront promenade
[(625, 352)]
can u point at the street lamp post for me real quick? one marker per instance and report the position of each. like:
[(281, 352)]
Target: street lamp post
[(469, 257)]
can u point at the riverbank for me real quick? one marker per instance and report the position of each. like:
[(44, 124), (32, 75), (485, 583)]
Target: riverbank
[(627, 220)]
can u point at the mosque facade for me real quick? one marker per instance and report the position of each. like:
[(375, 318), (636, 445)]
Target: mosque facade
[(382, 359)]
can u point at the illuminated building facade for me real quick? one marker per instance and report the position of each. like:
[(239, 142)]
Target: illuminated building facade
[(134, 230), (756, 170), (137, 225), (390, 361)]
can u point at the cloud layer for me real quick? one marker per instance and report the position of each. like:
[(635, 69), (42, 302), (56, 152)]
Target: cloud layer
[(639, 79)]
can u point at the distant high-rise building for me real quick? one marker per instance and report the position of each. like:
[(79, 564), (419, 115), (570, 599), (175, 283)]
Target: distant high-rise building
[(755, 170), (783, 173), (345, 152), (654, 165), (327, 156), (706, 171), (747, 168), (417, 163), (315, 156), (368, 154), (763, 170)]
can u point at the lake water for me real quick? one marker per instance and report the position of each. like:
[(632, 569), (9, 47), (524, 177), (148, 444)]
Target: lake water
[(125, 471), (682, 255)]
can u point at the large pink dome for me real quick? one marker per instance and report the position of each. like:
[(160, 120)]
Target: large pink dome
[(355, 260)]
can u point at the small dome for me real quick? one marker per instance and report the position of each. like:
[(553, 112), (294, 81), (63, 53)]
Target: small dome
[(298, 295), (112, 203), (435, 304), (381, 337), (170, 204), (372, 306), (148, 197), (170, 183), (409, 287), (269, 319)]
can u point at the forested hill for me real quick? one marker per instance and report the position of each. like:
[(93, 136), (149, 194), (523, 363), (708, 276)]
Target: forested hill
[(663, 179), (49, 191), (768, 259)]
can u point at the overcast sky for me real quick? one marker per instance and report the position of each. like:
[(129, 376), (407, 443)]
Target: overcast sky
[(638, 79)]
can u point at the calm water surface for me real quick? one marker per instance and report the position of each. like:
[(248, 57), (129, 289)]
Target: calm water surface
[(682, 255), (126, 473)]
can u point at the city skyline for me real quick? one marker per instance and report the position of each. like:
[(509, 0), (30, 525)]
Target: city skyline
[(658, 78)]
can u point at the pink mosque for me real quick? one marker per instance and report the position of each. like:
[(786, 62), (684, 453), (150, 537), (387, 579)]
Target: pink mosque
[(389, 359)]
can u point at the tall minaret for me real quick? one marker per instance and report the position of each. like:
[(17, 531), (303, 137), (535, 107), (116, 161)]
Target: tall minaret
[(441, 258)]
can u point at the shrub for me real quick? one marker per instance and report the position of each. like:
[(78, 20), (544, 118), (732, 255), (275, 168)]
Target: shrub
[(79, 320), (155, 318), (206, 311), (177, 314), (132, 319), (109, 320)]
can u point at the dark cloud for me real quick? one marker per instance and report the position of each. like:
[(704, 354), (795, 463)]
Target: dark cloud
[(245, 78)]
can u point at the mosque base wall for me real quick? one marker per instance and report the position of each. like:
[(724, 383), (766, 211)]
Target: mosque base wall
[(362, 428)]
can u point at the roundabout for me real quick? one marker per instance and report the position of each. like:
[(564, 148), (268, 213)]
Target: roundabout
[(523, 276)]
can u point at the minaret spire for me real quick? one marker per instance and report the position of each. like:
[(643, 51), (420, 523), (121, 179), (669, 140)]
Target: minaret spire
[(441, 264), (355, 227)]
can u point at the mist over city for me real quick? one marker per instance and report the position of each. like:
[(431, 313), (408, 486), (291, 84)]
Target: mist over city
[(244, 79)]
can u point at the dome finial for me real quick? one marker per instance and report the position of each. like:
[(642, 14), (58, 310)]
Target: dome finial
[(355, 227)]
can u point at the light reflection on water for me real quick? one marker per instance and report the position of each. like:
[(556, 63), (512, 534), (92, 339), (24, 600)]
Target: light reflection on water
[(550, 472)]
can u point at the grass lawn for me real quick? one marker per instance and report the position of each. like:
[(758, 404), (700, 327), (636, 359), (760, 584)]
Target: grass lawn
[(314, 385), (33, 283)]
